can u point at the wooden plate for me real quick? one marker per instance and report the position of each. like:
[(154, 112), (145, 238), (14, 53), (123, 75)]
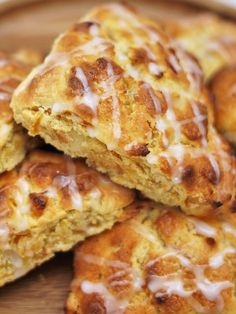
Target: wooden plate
[(34, 24)]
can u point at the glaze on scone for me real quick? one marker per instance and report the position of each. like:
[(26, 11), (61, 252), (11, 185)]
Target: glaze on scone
[(117, 90), (211, 39), (160, 261), (223, 89), (14, 141), (48, 204)]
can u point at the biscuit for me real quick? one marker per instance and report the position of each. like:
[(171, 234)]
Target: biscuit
[(211, 39), (160, 261), (14, 141), (48, 204), (117, 90), (223, 88)]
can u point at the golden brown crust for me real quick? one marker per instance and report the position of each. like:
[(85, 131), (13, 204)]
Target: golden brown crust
[(48, 204), (211, 39), (117, 90), (28, 56), (160, 261), (223, 88), (14, 141)]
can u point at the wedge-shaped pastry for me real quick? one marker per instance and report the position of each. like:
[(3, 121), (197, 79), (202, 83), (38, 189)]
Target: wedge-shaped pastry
[(161, 261), (117, 90), (223, 88), (48, 204), (14, 141), (209, 38)]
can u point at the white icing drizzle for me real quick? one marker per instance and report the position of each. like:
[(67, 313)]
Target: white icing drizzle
[(155, 100), (169, 284), (89, 98), (94, 30), (113, 305), (58, 107), (214, 165), (21, 196), (97, 260), (144, 231), (194, 75), (51, 192), (217, 260), (111, 91), (95, 193), (92, 132), (198, 120), (70, 181), (154, 69), (172, 283), (203, 228), (4, 232), (218, 47), (174, 63), (170, 115), (152, 159), (228, 228), (95, 45), (191, 68), (114, 280)]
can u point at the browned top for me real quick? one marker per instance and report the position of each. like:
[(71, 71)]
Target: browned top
[(209, 38), (223, 88), (12, 72), (47, 185), (161, 261), (126, 83)]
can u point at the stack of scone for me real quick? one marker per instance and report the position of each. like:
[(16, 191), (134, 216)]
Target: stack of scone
[(128, 97)]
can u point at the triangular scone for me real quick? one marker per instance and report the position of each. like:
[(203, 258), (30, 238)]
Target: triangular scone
[(209, 38), (159, 262), (48, 204), (14, 141), (117, 90)]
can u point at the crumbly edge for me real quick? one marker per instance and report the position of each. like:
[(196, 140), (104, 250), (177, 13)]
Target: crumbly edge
[(67, 135), (13, 152), (33, 247)]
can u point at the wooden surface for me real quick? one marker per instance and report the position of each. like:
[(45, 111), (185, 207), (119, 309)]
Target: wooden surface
[(44, 290)]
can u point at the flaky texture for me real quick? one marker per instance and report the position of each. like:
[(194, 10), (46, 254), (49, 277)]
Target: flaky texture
[(117, 90), (223, 88), (161, 261), (14, 141), (50, 203), (211, 39)]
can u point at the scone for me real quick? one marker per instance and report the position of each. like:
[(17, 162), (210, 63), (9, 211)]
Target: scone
[(211, 39), (28, 56), (117, 90), (14, 141), (223, 88), (161, 261), (48, 204)]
